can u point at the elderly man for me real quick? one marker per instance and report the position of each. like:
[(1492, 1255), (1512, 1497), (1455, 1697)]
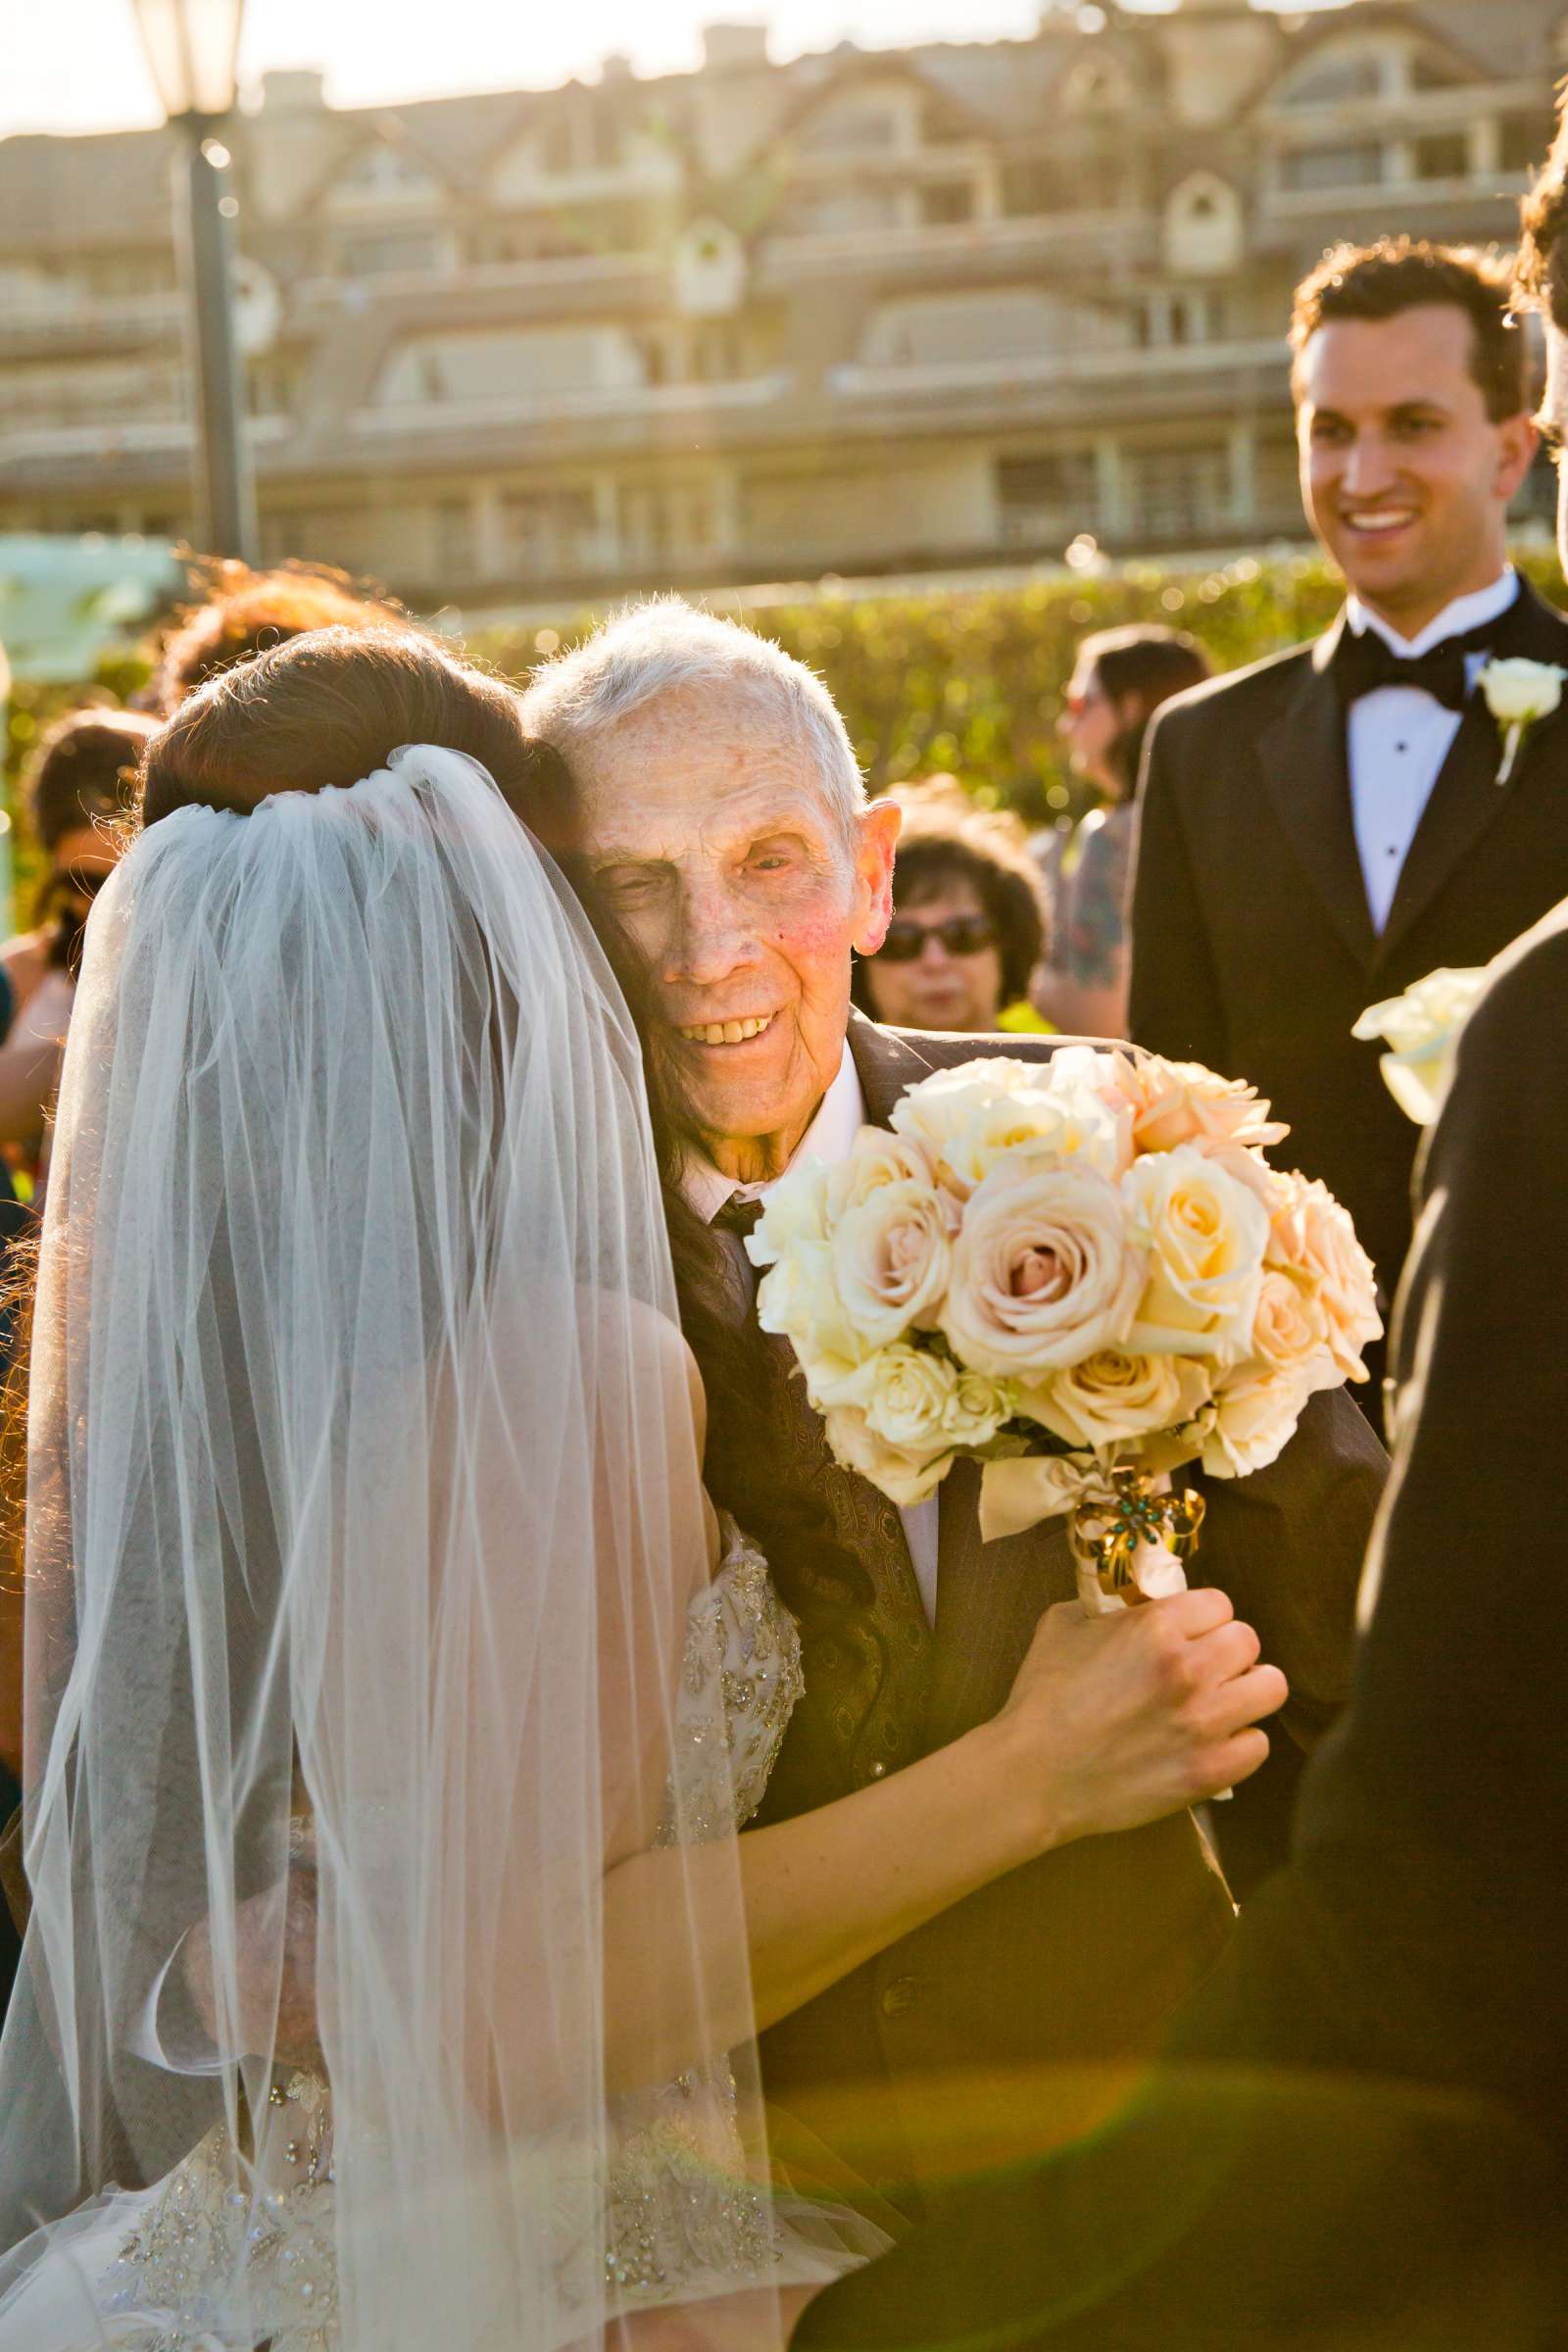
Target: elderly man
[(726, 823)]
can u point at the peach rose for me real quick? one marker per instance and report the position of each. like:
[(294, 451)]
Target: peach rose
[(1043, 1273), (1206, 1233), (1290, 1332), (1113, 1396), (1312, 1235), (891, 1254), (1174, 1102)]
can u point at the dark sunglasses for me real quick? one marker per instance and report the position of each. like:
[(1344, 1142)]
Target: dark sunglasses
[(960, 934)]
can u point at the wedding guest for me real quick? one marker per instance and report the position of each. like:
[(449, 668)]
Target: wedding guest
[(1119, 680), (968, 920), (725, 823), (246, 613), (1322, 829)]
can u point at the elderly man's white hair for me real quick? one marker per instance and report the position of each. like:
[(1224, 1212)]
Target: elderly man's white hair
[(667, 645)]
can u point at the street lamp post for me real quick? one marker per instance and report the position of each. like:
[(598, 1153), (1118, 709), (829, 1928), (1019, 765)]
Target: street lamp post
[(192, 47)]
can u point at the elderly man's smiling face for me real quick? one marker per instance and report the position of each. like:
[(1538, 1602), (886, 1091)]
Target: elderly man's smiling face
[(712, 835)]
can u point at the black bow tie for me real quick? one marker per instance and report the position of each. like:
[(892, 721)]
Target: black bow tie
[(1363, 664)]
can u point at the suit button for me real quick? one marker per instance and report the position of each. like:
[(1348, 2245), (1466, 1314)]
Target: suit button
[(878, 1771), (899, 1997)]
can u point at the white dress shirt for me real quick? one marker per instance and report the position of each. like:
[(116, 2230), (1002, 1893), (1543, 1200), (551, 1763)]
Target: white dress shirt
[(1399, 738), (840, 1116)]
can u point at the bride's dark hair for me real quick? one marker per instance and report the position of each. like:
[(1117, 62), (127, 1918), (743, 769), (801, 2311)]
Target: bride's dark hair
[(330, 707)]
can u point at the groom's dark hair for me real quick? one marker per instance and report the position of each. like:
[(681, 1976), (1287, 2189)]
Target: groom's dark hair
[(1405, 273)]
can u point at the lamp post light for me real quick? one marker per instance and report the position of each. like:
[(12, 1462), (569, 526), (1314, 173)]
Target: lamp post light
[(192, 47)]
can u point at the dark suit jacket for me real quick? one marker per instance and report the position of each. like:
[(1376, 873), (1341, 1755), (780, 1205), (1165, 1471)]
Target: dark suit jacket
[(1252, 946), (1087, 1951), (1405, 2187)]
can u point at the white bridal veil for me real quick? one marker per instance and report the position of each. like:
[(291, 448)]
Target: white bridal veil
[(363, 1513)]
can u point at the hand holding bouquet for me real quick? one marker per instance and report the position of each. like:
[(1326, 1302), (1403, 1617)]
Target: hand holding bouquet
[(1085, 1273)]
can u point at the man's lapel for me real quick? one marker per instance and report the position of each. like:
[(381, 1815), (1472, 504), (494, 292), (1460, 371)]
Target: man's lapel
[(886, 1063), (1467, 800), (1306, 768)]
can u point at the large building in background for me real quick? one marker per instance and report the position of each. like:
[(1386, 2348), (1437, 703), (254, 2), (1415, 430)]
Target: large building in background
[(933, 308)]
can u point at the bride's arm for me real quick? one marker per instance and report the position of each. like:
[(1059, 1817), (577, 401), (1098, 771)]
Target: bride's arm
[(1112, 1721)]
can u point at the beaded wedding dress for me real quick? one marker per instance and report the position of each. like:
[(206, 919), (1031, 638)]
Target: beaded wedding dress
[(682, 2220)]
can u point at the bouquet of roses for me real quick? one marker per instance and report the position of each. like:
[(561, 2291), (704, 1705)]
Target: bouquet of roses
[(1082, 1272)]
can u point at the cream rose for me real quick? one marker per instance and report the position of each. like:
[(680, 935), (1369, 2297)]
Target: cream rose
[(1113, 1395), (1043, 1273), (1058, 1123), (903, 1478), (795, 1211), (799, 1299), (1422, 1028), (876, 1159), (942, 1105), (977, 1409), (903, 1393), (1313, 1235), (1253, 1419), (891, 1256), (968, 1118), (1206, 1233)]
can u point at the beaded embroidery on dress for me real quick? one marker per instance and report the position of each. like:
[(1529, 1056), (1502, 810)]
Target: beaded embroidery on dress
[(211, 2269)]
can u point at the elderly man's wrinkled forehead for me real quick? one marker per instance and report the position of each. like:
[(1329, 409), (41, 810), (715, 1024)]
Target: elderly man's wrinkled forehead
[(701, 754)]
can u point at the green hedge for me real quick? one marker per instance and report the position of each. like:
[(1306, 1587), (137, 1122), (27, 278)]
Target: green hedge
[(971, 680), (963, 679)]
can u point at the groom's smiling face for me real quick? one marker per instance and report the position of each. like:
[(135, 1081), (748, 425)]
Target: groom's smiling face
[(715, 843)]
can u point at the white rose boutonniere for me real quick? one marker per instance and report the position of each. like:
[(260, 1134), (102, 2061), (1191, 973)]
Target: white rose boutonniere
[(1518, 693), (1422, 1028)]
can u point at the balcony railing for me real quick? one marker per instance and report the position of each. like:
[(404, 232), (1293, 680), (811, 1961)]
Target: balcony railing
[(948, 379), (112, 442), (74, 320), (589, 404), (1128, 239)]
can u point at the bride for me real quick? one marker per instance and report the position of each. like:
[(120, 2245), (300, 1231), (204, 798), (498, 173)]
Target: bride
[(376, 1611)]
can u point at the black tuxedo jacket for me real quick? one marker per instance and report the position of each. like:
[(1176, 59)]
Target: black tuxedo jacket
[(1252, 949), (1381, 2164)]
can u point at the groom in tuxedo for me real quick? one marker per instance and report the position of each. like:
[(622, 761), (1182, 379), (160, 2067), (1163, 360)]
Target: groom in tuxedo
[(726, 824), (1326, 827)]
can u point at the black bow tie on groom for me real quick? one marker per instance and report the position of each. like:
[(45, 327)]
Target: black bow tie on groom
[(1364, 663)]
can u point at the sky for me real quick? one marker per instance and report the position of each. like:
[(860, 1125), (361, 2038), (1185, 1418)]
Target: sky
[(77, 65)]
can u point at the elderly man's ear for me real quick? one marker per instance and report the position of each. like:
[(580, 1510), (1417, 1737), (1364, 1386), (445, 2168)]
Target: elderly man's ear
[(876, 839)]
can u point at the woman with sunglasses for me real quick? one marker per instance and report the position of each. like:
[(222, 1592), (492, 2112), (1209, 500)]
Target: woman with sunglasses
[(969, 921)]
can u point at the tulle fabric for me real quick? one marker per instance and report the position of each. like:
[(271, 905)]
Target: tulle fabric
[(364, 1493)]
